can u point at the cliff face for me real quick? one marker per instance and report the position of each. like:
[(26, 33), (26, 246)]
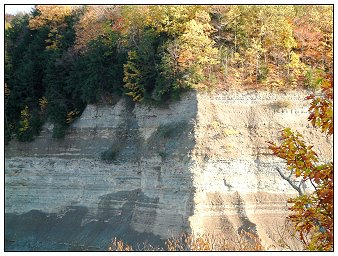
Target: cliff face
[(143, 173)]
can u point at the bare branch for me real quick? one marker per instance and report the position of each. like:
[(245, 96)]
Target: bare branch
[(292, 183)]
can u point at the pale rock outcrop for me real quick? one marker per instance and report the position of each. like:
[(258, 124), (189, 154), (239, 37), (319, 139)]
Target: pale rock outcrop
[(200, 164)]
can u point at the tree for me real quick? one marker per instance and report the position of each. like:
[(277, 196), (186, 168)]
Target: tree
[(172, 19), (197, 52), (73, 56), (312, 213), (55, 18), (313, 30), (189, 54), (171, 50), (278, 46), (23, 76), (141, 69), (95, 21), (98, 71)]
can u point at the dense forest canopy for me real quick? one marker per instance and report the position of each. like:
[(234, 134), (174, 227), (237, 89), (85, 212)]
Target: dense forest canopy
[(61, 57)]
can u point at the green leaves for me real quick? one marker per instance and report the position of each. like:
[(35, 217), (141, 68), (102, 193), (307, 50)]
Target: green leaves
[(29, 124), (170, 51), (141, 70), (171, 48), (132, 77)]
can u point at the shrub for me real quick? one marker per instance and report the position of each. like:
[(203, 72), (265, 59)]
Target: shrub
[(110, 154), (243, 241)]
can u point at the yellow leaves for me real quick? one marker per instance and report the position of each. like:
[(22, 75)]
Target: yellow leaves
[(196, 45), (228, 132), (203, 17), (43, 103), (52, 15), (192, 51), (71, 116), (189, 242), (7, 91), (119, 246), (94, 23), (132, 76), (286, 34), (135, 17), (312, 212), (298, 70), (321, 108), (7, 25), (24, 121), (294, 60), (25, 112), (264, 37), (172, 19), (215, 124)]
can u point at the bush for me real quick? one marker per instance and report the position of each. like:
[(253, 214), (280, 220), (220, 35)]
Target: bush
[(171, 130), (263, 73), (313, 78), (244, 241), (59, 131), (110, 154)]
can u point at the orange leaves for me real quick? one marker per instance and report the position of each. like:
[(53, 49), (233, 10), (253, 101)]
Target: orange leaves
[(313, 29), (313, 32), (298, 156), (94, 21), (321, 109), (185, 57), (118, 24), (294, 43), (312, 218), (52, 15), (312, 212), (119, 246)]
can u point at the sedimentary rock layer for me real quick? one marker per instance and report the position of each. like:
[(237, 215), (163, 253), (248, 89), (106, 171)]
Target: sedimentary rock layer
[(200, 164)]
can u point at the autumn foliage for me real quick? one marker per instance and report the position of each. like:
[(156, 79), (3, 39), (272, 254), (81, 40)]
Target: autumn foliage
[(60, 58), (312, 212), (242, 241), (75, 55)]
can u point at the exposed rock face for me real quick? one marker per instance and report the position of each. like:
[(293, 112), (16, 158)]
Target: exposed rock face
[(144, 173)]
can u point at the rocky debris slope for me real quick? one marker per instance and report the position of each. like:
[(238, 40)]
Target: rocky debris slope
[(200, 165)]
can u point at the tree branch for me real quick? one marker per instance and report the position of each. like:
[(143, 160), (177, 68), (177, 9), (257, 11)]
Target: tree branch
[(288, 179)]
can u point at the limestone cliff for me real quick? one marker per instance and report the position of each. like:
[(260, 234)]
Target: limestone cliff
[(143, 173)]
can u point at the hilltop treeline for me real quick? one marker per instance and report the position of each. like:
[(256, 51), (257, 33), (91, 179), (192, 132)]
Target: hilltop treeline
[(60, 58)]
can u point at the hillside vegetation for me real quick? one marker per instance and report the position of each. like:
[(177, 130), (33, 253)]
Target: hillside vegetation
[(60, 57)]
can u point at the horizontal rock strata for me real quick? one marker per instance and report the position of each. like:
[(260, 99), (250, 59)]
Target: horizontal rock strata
[(137, 172)]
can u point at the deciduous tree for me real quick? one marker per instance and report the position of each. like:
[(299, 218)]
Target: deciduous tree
[(312, 213)]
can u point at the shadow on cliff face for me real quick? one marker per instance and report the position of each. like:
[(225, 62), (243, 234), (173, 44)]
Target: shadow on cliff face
[(71, 230), (160, 205), (248, 229), (125, 144), (247, 225), (238, 231), (171, 144)]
